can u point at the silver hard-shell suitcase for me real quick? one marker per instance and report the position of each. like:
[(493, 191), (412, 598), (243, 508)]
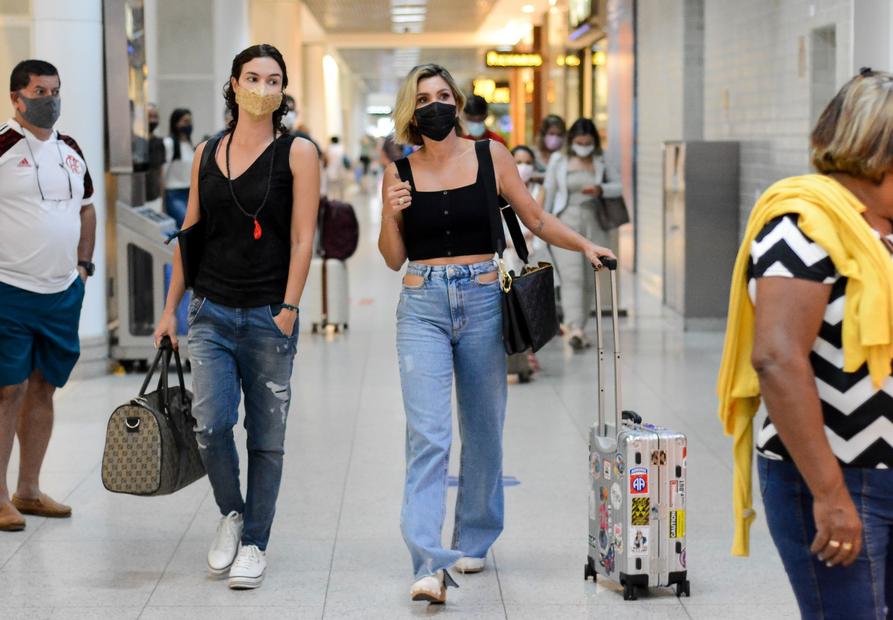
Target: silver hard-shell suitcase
[(637, 492)]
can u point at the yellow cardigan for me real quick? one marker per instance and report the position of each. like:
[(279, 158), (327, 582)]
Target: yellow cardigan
[(832, 217)]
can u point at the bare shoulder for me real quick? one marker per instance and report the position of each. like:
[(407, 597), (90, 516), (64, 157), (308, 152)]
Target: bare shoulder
[(500, 153), (302, 149)]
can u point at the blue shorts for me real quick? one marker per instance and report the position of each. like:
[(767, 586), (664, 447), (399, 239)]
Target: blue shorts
[(39, 332)]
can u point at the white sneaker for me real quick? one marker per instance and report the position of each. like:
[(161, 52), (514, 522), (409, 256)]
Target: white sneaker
[(468, 565), (248, 570), (432, 588), (226, 544)]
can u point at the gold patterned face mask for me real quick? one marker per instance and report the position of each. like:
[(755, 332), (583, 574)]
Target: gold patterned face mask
[(257, 103)]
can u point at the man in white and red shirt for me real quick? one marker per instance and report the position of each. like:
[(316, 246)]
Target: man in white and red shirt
[(47, 233)]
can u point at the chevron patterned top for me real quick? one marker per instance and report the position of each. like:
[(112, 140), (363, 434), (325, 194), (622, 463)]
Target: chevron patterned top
[(858, 418)]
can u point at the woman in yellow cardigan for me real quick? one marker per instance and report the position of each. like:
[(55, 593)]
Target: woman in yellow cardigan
[(811, 333)]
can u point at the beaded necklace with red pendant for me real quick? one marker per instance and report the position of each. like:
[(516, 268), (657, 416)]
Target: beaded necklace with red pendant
[(258, 231)]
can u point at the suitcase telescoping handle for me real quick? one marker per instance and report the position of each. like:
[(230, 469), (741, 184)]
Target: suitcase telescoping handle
[(611, 264)]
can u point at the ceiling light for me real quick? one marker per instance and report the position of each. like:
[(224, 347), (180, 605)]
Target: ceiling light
[(528, 8), (408, 10), (407, 19)]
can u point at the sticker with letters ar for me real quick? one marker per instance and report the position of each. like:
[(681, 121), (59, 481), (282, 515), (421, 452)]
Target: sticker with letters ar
[(638, 481)]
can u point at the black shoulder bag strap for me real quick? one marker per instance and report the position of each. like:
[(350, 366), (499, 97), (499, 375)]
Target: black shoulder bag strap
[(405, 171), (498, 205)]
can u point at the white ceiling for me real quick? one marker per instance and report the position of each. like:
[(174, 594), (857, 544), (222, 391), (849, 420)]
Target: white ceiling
[(452, 33), (350, 16)]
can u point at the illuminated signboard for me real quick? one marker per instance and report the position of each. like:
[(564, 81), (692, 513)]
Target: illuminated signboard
[(496, 58), (579, 11)]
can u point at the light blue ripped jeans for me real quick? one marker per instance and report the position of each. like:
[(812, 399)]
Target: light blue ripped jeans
[(451, 324), (236, 350)]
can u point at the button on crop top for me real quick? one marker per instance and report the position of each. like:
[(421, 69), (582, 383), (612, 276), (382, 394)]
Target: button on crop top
[(448, 222)]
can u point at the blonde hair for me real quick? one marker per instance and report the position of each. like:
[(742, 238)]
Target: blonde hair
[(854, 135), (405, 129)]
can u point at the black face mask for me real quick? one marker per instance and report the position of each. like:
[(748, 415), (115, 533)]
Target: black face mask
[(186, 131), (436, 120), (153, 126)]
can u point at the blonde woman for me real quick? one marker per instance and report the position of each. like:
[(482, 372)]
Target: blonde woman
[(810, 331), (435, 213)]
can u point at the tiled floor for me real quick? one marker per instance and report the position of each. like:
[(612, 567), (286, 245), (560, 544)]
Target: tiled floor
[(336, 550)]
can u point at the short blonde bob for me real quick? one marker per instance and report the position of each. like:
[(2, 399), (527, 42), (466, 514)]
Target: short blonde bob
[(405, 129), (854, 135)]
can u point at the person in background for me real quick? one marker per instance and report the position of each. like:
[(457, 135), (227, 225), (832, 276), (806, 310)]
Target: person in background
[(810, 330), (177, 174), (259, 199), (389, 151), (574, 182), (549, 141), (157, 158), (476, 112), (290, 120), (524, 159), (335, 169), (47, 234)]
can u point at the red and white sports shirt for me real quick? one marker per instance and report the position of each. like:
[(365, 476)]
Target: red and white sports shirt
[(39, 234)]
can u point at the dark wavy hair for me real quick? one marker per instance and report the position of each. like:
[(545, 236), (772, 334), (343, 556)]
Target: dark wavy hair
[(256, 51), (583, 127), (175, 134)]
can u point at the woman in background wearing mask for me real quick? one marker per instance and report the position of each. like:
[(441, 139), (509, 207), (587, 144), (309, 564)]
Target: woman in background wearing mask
[(574, 182), (259, 198), (436, 213), (525, 364), (549, 141), (178, 172)]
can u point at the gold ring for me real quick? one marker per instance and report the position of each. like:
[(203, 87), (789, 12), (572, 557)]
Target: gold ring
[(847, 546), (833, 544), (400, 201)]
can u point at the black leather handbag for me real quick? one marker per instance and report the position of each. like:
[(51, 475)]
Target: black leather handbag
[(529, 312), (611, 213), (192, 240), (150, 446)]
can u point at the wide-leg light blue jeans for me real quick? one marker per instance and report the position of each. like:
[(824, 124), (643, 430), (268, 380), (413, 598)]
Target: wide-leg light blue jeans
[(451, 325)]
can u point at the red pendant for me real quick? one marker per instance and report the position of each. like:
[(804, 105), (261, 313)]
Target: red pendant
[(258, 232)]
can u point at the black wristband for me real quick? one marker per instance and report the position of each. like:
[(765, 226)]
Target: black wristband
[(290, 307)]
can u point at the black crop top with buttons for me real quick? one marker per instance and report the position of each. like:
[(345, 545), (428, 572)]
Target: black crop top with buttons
[(452, 222)]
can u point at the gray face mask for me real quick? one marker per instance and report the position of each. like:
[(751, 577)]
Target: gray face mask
[(42, 112)]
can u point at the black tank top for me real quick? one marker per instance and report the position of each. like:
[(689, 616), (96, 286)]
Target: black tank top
[(238, 270), (445, 223)]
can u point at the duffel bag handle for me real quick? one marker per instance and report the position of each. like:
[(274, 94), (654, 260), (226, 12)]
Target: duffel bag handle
[(163, 359)]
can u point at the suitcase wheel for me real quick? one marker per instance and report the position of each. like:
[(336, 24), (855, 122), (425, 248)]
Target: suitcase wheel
[(629, 592), (589, 571), (683, 587)]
